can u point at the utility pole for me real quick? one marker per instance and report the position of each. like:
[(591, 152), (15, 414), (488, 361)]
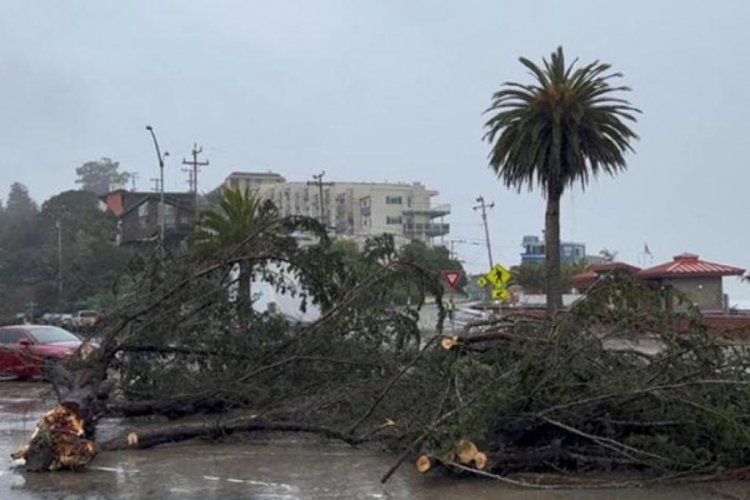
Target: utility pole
[(319, 182), (452, 254), (133, 178), (190, 177), (195, 164), (483, 207), (59, 264)]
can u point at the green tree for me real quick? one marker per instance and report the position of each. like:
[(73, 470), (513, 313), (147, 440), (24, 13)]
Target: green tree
[(434, 259), (565, 128), (20, 205), (99, 176), (91, 260), (20, 251), (532, 277), (238, 224)]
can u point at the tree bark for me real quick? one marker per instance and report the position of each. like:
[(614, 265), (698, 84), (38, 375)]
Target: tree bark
[(552, 250), (244, 302), (212, 428)]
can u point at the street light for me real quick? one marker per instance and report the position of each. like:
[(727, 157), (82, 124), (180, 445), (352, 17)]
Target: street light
[(161, 185)]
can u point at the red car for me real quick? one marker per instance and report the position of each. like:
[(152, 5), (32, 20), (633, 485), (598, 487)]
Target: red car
[(29, 350)]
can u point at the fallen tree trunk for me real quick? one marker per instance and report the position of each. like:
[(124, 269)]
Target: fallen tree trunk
[(58, 442), (171, 408), (214, 428)]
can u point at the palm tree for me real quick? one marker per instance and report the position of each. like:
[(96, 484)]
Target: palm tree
[(235, 227), (564, 128)]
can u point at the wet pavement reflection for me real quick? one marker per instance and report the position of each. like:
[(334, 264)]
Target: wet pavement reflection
[(267, 467)]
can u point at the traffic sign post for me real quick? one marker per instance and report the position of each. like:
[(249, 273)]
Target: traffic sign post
[(498, 278), (452, 277)]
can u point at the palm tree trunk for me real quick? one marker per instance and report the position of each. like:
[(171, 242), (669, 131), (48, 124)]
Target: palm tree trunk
[(552, 250), (243, 296)]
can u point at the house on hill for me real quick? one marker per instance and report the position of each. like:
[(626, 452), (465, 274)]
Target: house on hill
[(139, 220)]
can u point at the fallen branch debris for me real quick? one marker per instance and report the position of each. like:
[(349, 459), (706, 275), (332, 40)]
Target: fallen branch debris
[(612, 386)]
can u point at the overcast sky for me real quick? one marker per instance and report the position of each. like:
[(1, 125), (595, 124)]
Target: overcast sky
[(388, 90)]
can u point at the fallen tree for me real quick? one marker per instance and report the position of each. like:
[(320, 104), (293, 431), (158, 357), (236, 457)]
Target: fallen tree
[(571, 396)]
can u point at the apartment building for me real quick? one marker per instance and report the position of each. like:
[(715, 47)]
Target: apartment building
[(356, 209), (533, 246)]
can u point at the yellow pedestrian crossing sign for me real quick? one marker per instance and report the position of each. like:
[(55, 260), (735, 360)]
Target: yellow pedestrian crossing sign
[(498, 277)]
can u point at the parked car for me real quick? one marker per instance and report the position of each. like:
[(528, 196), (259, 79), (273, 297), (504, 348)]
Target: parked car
[(86, 319), (31, 350)]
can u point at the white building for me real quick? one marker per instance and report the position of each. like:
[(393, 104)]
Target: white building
[(356, 209)]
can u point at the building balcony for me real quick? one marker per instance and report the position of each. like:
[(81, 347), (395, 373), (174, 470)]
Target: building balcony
[(429, 229), (430, 212)]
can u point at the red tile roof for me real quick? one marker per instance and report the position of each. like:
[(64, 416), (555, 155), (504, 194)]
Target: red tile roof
[(587, 278), (688, 265), (607, 267), (584, 280)]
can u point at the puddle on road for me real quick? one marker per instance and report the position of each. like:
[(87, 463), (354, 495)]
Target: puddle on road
[(278, 467)]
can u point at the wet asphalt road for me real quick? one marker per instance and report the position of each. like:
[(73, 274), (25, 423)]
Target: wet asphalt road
[(269, 467)]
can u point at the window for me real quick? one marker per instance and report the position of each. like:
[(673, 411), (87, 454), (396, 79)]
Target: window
[(10, 336), (52, 334), (393, 200), (364, 207), (393, 220)]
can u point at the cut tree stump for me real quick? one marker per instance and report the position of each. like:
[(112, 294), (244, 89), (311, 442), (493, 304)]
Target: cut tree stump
[(424, 463), (465, 451), (480, 460)]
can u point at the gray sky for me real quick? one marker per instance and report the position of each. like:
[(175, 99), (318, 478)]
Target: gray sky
[(387, 90)]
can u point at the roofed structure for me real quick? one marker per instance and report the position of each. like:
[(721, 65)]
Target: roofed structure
[(586, 279), (699, 281), (688, 265)]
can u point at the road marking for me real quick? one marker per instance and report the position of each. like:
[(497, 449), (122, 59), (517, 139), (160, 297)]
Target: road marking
[(119, 470)]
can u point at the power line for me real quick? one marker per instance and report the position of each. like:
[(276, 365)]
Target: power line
[(451, 243), (459, 241)]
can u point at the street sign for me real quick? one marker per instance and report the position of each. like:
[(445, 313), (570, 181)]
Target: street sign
[(498, 277), (452, 277)]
